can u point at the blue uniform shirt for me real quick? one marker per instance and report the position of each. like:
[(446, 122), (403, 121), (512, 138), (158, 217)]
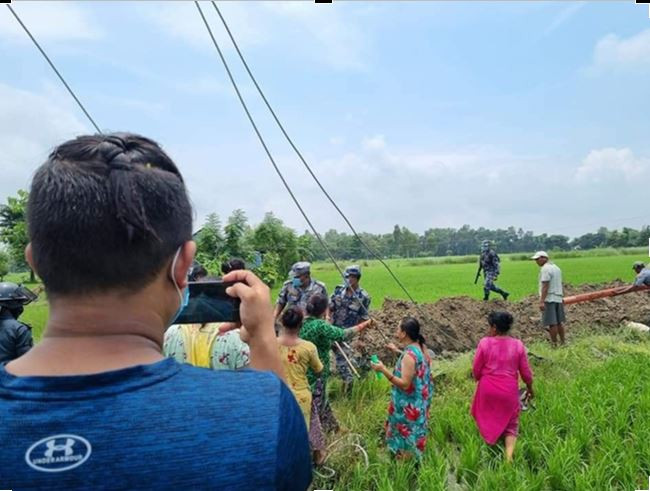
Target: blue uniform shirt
[(349, 310), (643, 278), (157, 426)]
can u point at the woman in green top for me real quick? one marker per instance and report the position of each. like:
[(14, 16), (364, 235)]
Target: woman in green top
[(323, 334)]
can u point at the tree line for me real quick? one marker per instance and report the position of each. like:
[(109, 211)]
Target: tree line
[(271, 247)]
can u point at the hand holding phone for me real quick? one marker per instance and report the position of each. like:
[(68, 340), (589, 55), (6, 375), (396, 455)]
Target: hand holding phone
[(255, 311), (256, 314), (209, 302)]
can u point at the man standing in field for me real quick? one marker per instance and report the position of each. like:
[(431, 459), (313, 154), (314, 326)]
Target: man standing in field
[(348, 307), (299, 289), (490, 263), (551, 297)]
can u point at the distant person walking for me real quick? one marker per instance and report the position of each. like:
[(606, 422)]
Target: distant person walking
[(498, 362), (348, 307), (551, 297), (299, 289), (412, 390), (490, 264)]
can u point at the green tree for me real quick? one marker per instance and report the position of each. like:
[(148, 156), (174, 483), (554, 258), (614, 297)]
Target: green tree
[(13, 229), (235, 233), (210, 244), (269, 270), (4, 264), (271, 235)]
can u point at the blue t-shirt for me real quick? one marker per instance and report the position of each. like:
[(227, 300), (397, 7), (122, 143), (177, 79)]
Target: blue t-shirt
[(158, 426)]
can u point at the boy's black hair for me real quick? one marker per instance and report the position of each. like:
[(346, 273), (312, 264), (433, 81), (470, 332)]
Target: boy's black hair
[(106, 212)]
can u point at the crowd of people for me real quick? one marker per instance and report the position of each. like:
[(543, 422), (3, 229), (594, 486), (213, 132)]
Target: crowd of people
[(116, 392)]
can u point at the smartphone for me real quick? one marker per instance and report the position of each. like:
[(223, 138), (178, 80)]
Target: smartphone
[(209, 302)]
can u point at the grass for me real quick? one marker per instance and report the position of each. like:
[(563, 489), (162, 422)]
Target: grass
[(589, 429), (429, 279)]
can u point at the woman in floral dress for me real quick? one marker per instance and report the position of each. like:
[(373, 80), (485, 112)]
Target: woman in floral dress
[(408, 411)]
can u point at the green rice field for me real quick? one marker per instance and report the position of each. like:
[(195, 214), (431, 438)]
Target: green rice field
[(589, 430), (429, 279)]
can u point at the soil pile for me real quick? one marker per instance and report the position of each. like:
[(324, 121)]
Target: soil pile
[(456, 324)]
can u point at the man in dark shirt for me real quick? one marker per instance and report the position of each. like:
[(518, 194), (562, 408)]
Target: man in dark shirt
[(95, 405), (15, 336)]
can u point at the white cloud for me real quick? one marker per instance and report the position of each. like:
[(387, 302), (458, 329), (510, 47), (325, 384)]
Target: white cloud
[(330, 35), (317, 32), (31, 124), (608, 164), (182, 21), (613, 51), (48, 21), (375, 143)]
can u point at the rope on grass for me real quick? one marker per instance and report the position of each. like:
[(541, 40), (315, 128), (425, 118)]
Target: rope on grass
[(340, 443)]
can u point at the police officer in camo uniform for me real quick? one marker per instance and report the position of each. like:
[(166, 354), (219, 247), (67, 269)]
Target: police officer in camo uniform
[(349, 306), (299, 289), (15, 336), (490, 264)]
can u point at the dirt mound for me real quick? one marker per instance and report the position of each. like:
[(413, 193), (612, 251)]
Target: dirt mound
[(457, 324)]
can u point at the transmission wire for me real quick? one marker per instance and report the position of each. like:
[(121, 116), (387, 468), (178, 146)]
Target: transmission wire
[(302, 159), (306, 165), (58, 74), (261, 139), (271, 159)]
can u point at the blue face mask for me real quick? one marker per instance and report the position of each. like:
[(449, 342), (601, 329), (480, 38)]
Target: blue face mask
[(296, 282), (184, 296)]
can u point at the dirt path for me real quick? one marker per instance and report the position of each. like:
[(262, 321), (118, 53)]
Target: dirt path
[(457, 324)]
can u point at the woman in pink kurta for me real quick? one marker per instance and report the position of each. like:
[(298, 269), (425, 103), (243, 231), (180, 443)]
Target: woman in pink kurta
[(498, 362)]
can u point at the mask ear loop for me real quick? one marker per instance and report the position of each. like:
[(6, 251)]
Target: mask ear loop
[(171, 274)]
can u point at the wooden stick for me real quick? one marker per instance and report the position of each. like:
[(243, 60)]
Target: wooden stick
[(346, 358)]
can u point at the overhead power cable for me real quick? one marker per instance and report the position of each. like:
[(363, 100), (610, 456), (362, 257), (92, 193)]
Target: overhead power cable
[(279, 172), (268, 152), (304, 162), (263, 142), (58, 74), (306, 165)]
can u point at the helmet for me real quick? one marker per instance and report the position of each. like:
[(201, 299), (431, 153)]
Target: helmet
[(354, 270), (300, 269), (12, 295), (485, 245)]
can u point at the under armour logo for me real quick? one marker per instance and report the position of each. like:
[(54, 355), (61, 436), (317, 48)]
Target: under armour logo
[(53, 447)]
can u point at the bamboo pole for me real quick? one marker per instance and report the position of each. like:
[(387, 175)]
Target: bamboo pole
[(338, 346)]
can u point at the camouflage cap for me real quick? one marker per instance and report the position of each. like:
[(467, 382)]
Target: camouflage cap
[(354, 270), (300, 268)]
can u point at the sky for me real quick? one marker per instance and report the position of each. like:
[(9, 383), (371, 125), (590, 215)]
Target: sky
[(423, 114)]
